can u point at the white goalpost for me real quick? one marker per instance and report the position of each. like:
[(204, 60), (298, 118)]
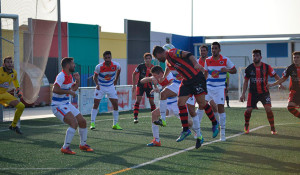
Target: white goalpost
[(16, 46)]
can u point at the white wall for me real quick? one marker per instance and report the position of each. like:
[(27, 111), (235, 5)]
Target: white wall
[(123, 75), (158, 38)]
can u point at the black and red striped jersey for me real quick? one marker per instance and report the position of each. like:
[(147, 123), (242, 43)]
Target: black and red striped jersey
[(183, 66), (258, 76), (294, 72), (144, 71)]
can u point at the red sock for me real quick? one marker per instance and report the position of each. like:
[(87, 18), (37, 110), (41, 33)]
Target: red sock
[(184, 117), (153, 107), (247, 118), (294, 111), (271, 120), (136, 110), (210, 114)]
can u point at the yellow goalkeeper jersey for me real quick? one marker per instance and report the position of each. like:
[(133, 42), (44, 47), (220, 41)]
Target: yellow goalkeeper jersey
[(6, 78)]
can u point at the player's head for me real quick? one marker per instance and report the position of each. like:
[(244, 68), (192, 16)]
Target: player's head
[(159, 53), (256, 56), (8, 63), (215, 49), (67, 63), (296, 58), (107, 57), (147, 58), (203, 50), (157, 72)]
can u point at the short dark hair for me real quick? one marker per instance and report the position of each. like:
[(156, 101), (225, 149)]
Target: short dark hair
[(147, 54), (157, 49), (256, 51), (106, 53), (157, 69), (203, 46), (7, 58), (65, 61), (296, 53), (216, 44)]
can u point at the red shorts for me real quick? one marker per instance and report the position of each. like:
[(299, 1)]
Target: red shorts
[(294, 97)]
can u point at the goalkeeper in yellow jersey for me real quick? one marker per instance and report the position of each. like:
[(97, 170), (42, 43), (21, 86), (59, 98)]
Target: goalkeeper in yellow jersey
[(7, 75)]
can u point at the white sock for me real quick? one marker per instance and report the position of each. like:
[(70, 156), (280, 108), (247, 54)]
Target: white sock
[(196, 125), (163, 108), (93, 115), (217, 116), (200, 116), (222, 125), (69, 136), (83, 136), (155, 132), (116, 117)]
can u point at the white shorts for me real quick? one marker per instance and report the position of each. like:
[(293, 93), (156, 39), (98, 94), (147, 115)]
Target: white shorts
[(216, 94), (61, 110), (172, 107), (191, 101), (174, 87), (109, 90)]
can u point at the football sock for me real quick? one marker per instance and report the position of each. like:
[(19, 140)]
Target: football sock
[(184, 117), (222, 124), (93, 115), (247, 118), (19, 110), (196, 125), (83, 135), (69, 136), (210, 114), (200, 116), (155, 132), (116, 117), (153, 107), (294, 111), (227, 100), (163, 108), (136, 110), (271, 120)]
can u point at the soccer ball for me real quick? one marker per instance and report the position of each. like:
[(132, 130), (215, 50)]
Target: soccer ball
[(168, 46)]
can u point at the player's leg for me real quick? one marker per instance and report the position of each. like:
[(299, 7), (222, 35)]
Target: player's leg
[(155, 129), (151, 98), (163, 101), (139, 96), (294, 101), (136, 108), (72, 122), (218, 98), (82, 131), (183, 113), (114, 103), (266, 101), (98, 95), (251, 104), (226, 94), (19, 110)]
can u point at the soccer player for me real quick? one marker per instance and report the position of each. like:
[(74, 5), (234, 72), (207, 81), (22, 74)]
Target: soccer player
[(294, 71), (216, 67), (193, 83), (144, 71), (203, 50), (64, 86), (106, 76), (258, 73), (171, 106), (9, 74)]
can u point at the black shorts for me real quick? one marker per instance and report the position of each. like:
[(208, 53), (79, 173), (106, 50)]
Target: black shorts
[(254, 98), (195, 86), (294, 96), (140, 91)]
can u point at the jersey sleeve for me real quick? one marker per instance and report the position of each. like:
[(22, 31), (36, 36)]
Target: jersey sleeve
[(97, 69), (175, 53), (205, 66), (15, 80), (59, 79), (271, 72), (137, 69), (247, 74), (118, 66), (287, 72), (230, 64)]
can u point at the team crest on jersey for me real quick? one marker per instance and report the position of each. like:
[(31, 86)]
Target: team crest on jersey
[(107, 77), (221, 62), (12, 75), (113, 68)]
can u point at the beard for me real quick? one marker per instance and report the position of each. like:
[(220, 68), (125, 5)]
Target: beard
[(72, 70), (256, 61)]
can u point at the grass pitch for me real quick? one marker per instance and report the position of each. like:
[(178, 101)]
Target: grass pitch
[(125, 152)]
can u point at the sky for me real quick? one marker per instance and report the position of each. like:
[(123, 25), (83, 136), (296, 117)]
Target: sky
[(210, 17)]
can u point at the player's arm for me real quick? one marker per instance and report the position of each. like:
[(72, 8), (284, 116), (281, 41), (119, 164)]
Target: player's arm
[(166, 73), (146, 80), (77, 81), (117, 76), (56, 89), (134, 80), (245, 86), (231, 71), (17, 86), (95, 78), (279, 81)]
